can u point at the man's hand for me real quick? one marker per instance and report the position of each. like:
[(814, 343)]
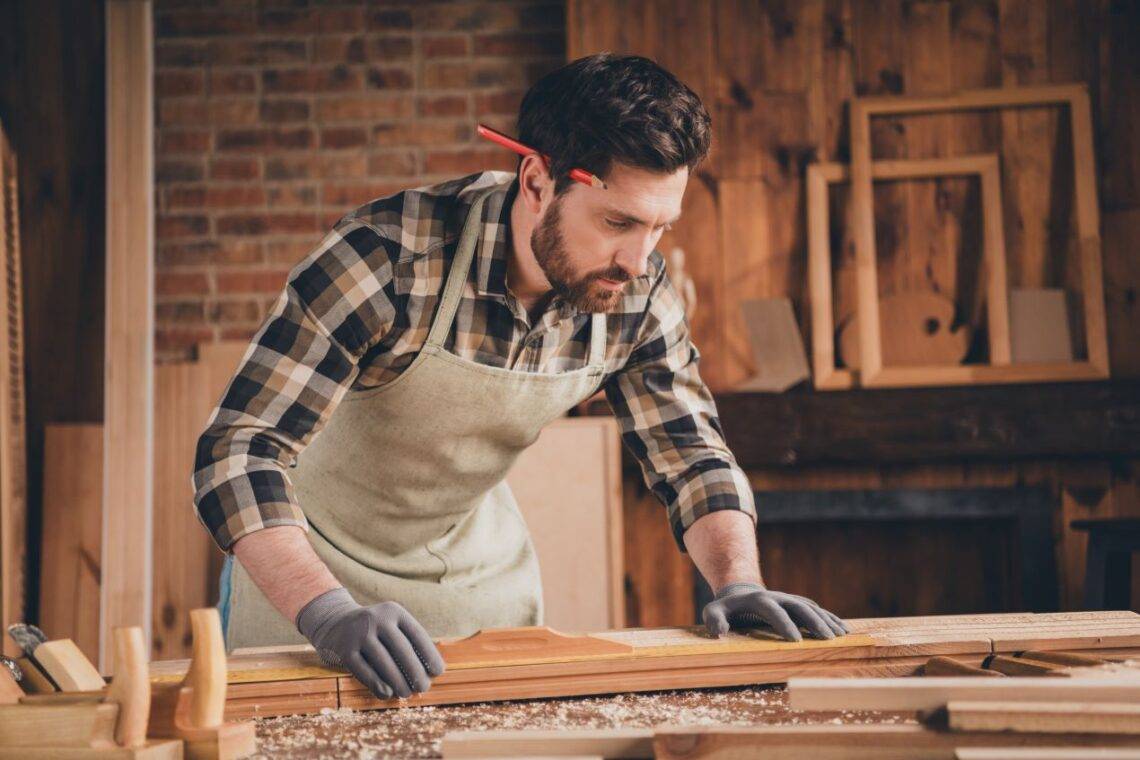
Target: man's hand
[(749, 605), (383, 645)]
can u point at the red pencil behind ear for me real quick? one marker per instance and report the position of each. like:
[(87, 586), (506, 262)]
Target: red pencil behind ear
[(581, 175)]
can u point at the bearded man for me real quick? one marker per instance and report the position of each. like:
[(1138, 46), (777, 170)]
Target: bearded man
[(355, 465)]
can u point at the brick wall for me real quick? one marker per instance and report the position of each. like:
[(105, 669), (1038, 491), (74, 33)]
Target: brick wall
[(272, 122)]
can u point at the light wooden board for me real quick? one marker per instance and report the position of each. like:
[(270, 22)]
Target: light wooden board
[(1044, 717), (568, 483), (72, 536), (125, 589)]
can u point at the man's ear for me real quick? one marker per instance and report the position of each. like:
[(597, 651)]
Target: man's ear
[(536, 186)]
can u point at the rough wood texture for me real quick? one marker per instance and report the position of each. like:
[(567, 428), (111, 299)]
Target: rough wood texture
[(126, 580)]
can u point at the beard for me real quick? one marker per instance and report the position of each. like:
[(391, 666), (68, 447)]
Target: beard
[(583, 292)]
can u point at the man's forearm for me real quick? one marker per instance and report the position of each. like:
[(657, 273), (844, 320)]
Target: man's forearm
[(284, 566), (723, 546)]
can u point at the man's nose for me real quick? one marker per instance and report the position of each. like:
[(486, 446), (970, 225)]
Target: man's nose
[(634, 260)]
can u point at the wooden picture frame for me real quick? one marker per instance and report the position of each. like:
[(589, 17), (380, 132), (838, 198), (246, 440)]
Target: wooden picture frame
[(873, 373), (992, 285)]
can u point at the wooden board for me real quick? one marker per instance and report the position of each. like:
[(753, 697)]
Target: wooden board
[(72, 538), (128, 410), (669, 658), (13, 465), (568, 483), (1044, 717)]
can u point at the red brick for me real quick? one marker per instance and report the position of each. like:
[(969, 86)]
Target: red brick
[(385, 49), (341, 165), (339, 20), (468, 161), (183, 141), (421, 133), (330, 218), (389, 78), (252, 52), (400, 163), (266, 224), (371, 108), (445, 46), (181, 283), (493, 73), (265, 139), (215, 196), (357, 194), (506, 101), (290, 167), (446, 76), (286, 22), (174, 170), (232, 83), (170, 227), (179, 312), (288, 251), (172, 83), (285, 110), (335, 79), (251, 281), (387, 20), (291, 196), (465, 17), (235, 168), (234, 312), (442, 105), (181, 341), (520, 43), (181, 111), (237, 333), (344, 137), (198, 23), (233, 112), (210, 252), (167, 53)]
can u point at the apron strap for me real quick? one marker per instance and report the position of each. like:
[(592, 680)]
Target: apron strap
[(457, 275), (597, 340)]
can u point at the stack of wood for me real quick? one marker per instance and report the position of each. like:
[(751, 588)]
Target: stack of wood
[(525, 663)]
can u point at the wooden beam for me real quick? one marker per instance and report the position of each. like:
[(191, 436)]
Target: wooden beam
[(607, 742), (1044, 717), (126, 587)]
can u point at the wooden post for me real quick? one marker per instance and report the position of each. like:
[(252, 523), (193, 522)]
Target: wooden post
[(125, 591)]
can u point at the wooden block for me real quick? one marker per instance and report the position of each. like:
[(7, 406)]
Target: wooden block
[(34, 680), (10, 691), (152, 750), (918, 694), (1063, 658), (1044, 717), (67, 666), (130, 687), (613, 742), (777, 347), (1021, 666), (82, 724), (1039, 326), (529, 645)]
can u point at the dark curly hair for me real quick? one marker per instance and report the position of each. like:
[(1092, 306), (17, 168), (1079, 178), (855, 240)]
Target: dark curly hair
[(605, 108)]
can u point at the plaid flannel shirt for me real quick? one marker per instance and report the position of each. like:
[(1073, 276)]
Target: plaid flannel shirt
[(355, 312)]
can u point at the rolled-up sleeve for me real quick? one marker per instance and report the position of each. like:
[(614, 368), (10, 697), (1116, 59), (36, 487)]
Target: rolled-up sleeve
[(305, 356), (669, 421)]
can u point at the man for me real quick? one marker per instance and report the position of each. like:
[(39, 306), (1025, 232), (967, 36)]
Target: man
[(446, 326)]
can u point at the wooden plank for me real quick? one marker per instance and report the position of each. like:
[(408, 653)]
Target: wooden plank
[(71, 549), (83, 724), (903, 694), (1044, 717), (869, 741), (568, 482), (13, 442), (1045, 753), (67, 666), (126, 583), (610, 742)]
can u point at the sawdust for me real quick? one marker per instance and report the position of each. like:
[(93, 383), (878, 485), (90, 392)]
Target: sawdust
[(415, 732)]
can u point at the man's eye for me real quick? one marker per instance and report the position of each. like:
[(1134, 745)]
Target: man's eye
[(617, 225)]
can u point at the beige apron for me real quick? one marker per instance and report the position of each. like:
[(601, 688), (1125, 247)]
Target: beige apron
[(404, 488)]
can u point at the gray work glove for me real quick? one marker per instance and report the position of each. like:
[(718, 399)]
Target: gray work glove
[(383, 645), (750, 605)]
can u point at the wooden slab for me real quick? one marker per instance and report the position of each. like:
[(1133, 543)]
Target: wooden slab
[(1044, 717)]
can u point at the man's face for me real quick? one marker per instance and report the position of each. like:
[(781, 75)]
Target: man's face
[(590, 242)]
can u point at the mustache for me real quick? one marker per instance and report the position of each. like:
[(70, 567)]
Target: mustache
[(617, 275)]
